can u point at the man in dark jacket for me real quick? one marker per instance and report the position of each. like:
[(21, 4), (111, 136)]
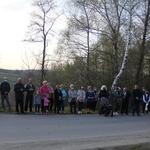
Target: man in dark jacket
[(19, 89), (136, 94), (29, 88), (5, 89), (57, 99), (125, 101)]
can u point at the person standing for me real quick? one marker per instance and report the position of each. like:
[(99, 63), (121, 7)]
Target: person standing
[(50, 97), (37, 102), (125, 101), (44, 90), (117, 99), (72, 93), (63, 99), (136, 94), (29, 88), (19, 96), (57, 99), (46, 104), (80, 99), (146, 102), (90, 96), (141, 99), (5, 89)]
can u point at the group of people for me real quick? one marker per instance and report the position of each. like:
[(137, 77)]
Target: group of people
[(140, 100), (57, 99), (46, 99)]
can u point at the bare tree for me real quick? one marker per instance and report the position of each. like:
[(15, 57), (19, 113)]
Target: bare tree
[(41, 28), (78, 36)]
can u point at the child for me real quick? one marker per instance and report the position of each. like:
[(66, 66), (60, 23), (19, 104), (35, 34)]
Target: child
[(37, 102), (46, 103)]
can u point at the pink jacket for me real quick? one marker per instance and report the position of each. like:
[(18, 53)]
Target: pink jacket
[(44, 90), (46, 101)]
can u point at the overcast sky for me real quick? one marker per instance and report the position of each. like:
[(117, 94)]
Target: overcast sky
[(15, 17)]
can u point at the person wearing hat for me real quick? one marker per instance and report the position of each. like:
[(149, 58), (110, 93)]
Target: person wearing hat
[(5, 89)]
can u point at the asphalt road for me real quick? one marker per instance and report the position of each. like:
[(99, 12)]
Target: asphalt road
[(71, 132)]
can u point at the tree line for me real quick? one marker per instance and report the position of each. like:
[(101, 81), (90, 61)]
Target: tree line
[(103, 40)]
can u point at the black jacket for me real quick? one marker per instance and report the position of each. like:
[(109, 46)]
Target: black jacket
[(28, 87), (4, 88), (127, 96), (103, 93), (18, 91), (136, 93), (57, 94)]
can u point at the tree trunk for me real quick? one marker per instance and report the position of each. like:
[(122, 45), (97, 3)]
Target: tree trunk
[(126, 52), (88, 47), (142, 47), (115, 44), (43, 61)]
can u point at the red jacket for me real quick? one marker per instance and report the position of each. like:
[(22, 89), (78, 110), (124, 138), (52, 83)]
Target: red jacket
[(44, 90)]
